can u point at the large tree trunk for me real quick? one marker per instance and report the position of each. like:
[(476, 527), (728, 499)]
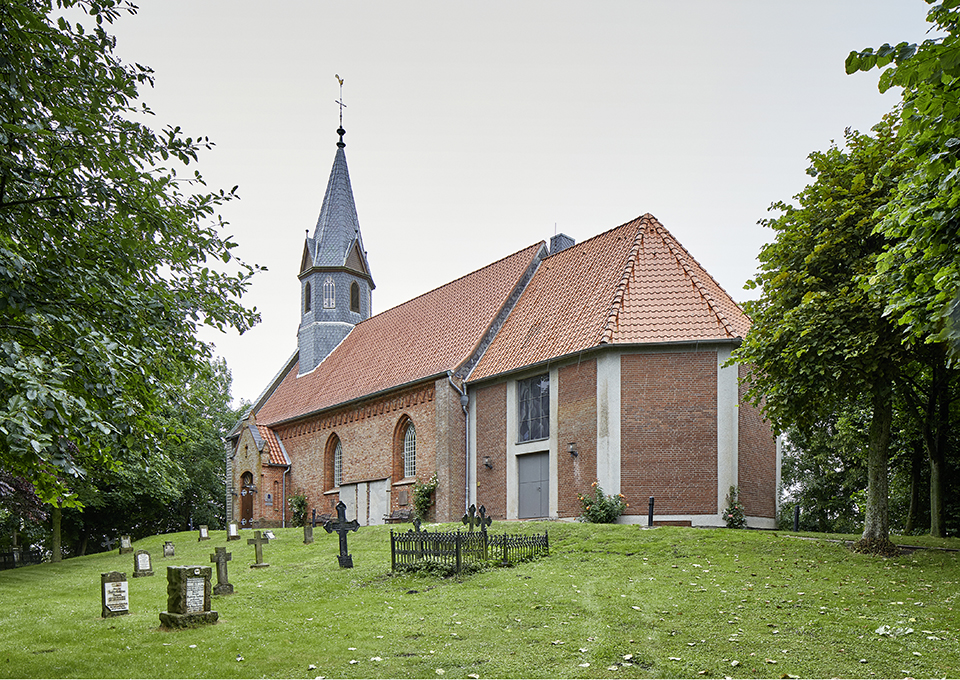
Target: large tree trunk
[(55, 542), (876, 529)]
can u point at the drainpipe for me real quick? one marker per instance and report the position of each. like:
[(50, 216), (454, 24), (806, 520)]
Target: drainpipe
[(283, 493), (464, 400)]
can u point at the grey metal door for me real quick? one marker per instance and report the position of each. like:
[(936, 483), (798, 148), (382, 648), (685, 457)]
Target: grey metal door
[(534, 474)]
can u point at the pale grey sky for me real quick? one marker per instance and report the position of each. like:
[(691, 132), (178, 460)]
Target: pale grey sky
[(475, 129)]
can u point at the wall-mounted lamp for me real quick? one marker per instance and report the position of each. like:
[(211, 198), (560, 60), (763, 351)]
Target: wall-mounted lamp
[(572, 449), (487, 463)]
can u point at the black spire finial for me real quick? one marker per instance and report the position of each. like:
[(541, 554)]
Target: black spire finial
[(340, 130)]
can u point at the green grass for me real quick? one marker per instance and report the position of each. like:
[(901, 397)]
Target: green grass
[(667, 602)]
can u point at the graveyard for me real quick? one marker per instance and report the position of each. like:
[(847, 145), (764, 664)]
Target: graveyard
[(607, 601)]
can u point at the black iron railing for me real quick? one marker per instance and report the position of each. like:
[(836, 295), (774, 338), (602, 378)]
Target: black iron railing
[(457, 550)]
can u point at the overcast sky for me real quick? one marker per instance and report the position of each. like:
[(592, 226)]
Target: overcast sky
[(475, 129)]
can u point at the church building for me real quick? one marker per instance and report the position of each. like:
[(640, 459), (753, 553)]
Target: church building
[(518, 386)]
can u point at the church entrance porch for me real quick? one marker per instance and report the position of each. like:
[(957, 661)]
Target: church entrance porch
[(533, 471)]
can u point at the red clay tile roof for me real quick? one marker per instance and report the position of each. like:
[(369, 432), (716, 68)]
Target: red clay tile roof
[(427, 336), (632, 284), (277, 454)]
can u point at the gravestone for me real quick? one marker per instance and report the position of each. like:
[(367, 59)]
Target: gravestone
[(472, 518), (141, 564), (221, 557), (307, 533), (342, 526), (233, 532), (204, 533), (168, 549), (269, 534), (257, 542), (126, 545), (114, 595), (188, 598)]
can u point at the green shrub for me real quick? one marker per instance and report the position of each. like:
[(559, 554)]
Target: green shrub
[(423, 496), (298, 508), (733, 513), (600, 508)]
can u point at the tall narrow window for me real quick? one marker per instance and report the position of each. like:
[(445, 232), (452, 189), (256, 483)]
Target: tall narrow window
[(410, 451), (306, 297), (354, 297), (329, 294), (534, 404), (337, 464)]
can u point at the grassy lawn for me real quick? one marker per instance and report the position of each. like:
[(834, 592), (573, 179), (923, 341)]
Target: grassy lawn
[(609, 601)]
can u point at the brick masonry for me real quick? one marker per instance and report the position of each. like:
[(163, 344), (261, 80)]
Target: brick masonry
[(669, 432), (491, 436), (577, 423), (757, 461)]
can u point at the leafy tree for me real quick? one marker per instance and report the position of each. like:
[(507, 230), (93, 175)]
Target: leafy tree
[(819, 340), (109, 262), (921, 269)]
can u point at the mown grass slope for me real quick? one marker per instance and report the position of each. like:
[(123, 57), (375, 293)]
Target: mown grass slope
[(609, 601)]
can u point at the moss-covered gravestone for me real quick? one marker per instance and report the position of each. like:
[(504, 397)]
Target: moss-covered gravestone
[(188, 598), (169, 550), (307, 533), (114, 594), (126, 545), (142, 566)]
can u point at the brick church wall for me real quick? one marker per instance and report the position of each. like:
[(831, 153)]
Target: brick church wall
[(367, 434), (577, 422), (491, 409), (669, 432), (450, 452), (757, 459)]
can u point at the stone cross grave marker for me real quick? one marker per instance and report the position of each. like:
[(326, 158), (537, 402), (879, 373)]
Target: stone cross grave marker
[(114, 594), (342, 527), (188, 597), (204, 533), (307, 533), (233, 532), (221, 557), (257, 542), (126, 545), (141, 564), (168, 549)]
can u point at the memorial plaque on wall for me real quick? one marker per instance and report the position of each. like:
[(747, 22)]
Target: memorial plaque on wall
[(114, 594)]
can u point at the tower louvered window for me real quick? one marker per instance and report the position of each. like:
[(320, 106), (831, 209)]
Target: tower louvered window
[(329, 294), (410, 451), (306, 297), (354, 298)]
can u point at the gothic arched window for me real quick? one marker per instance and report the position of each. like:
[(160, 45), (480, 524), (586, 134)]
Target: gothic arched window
[(337, 463), (329, 294), (354, 297), (410, 451)]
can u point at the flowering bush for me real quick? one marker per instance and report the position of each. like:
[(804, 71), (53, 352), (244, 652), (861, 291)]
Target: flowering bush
[(423, 496), (599, 508), (733, 514)]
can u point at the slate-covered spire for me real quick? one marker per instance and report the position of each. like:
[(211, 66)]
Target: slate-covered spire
[(335, 277), (337, 234)]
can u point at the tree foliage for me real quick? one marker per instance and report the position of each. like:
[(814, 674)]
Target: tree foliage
[(921, 269), (819, 339), (110, 259)]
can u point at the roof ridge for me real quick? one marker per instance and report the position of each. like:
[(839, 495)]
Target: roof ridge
[(674, 246), (616, 305)]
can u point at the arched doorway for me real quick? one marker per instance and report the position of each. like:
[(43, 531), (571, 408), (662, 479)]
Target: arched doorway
[(247, 489)]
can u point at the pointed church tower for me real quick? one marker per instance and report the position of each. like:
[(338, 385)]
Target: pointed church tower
[(335, 280)]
